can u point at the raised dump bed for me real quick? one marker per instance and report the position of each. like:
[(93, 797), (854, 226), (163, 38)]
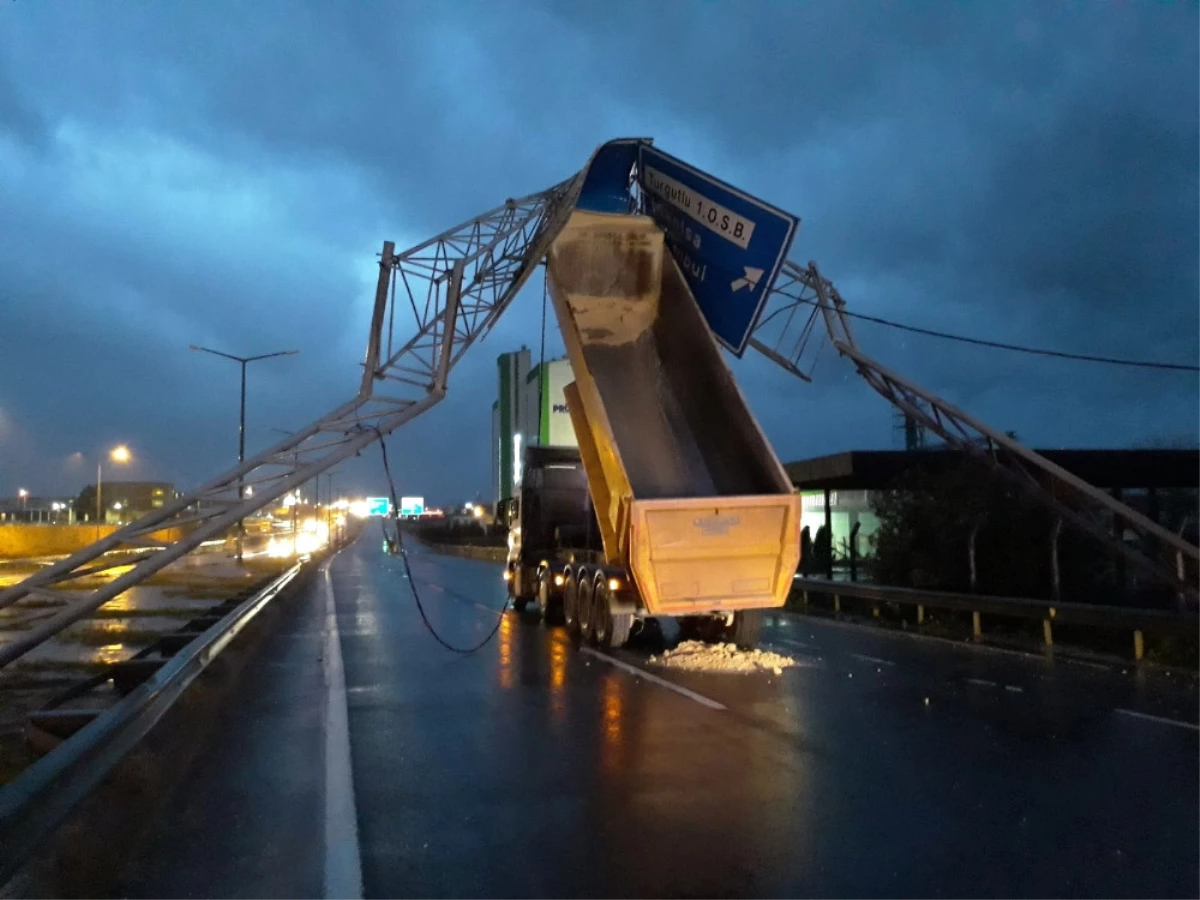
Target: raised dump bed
[(689, 495)]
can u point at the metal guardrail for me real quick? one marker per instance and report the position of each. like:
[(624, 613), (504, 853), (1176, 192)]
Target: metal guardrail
[(42, 796), (1047, 612)]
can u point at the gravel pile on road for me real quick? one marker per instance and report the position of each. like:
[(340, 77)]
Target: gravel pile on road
[(698, 656)]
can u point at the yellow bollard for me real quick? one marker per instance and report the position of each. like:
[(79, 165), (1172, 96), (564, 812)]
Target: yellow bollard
[(920, 614), (837, 603), (1139, 646), (1047, 633), (976, 625)]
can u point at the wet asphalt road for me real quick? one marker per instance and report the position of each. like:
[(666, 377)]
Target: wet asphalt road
[(534, 769)]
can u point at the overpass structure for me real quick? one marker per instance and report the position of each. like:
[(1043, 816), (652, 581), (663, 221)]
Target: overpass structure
[(453, 288)]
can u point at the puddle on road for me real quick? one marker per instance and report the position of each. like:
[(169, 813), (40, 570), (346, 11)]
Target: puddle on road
[(133, 619)]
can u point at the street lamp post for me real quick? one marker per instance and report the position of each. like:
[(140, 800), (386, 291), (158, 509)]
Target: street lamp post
[(243, 361), (118, 454)]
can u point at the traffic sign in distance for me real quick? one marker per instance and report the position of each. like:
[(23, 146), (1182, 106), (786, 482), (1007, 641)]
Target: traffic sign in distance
[(378, 506)]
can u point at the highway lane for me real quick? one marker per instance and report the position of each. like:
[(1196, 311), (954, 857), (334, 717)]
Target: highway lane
[(885, 765)]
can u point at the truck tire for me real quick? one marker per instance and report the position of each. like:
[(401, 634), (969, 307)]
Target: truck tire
[(518, 602), (552, 607), (611, 629), (570, 605), (586, 609), (746, 627)]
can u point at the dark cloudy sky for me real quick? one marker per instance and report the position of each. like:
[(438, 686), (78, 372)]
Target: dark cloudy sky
[(223, 173)]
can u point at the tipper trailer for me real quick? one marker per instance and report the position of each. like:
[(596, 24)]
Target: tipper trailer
[(696, 517)]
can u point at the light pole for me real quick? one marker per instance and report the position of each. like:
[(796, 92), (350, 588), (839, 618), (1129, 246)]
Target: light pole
[(243, 361), (118, 454)]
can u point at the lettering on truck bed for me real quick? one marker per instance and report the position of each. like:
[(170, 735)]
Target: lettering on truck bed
[(716, 526)]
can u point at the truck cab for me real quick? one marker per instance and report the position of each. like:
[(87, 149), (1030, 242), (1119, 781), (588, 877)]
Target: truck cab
[(551, 522)]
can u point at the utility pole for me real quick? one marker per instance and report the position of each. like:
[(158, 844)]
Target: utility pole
[(118, 454), (243, 361)]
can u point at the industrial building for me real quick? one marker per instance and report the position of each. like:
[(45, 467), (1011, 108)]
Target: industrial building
[(124, 501), (530, 409), (837, 490)]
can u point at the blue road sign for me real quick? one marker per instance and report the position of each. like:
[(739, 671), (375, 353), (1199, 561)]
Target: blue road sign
[(728, 244), (606, 185), (378, 506)]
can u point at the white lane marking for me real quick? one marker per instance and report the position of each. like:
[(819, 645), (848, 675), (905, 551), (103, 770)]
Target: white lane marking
[(872, 659), (1090, 665), (343, 860), (795, 645), (981, 681), (661, 682), (917, 636), (487, 609), (1160, 719), (1014, 689)]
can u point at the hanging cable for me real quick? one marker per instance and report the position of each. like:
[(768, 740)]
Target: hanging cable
[(542, 380), (1016, 348), (399, 543)]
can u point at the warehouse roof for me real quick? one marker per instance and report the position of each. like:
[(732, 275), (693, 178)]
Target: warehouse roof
[(878, 469)]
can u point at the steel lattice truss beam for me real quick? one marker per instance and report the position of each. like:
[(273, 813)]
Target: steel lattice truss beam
[(789, 322), (455, 286), (801, 295)]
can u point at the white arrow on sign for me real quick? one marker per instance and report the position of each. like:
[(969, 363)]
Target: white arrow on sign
[(750, 279)]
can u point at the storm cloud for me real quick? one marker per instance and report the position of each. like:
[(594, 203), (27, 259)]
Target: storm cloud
[(224, 173)]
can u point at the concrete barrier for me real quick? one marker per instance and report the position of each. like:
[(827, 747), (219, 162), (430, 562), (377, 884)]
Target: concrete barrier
[(20, 541), (470, 551)]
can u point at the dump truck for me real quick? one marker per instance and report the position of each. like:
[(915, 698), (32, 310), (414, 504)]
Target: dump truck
[(697, 519)]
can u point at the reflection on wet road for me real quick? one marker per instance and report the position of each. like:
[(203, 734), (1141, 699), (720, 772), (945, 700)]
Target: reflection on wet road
[(133, 619), (884, 766)]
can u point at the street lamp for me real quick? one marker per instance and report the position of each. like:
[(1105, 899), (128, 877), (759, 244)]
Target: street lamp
[(118, 454), (243, 361)]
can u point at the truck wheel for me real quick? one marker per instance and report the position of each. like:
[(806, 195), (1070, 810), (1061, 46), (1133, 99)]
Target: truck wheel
[(570, 605), (747, 624), (612, 629), (518, 602), (552, 607), (586, 610)]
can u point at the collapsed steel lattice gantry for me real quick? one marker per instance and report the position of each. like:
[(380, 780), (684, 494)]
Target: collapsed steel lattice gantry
[(802, 295), (456, 286)]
